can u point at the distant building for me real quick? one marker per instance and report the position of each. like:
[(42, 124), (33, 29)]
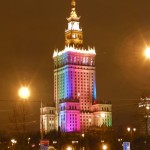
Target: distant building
[(75, 83), (144, 106), (102, 114), (48, 120)]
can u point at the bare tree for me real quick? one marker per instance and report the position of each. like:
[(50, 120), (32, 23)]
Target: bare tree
[(18, 120)]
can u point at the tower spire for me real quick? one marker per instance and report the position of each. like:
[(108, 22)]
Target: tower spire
[(73, 14), (73, 35)]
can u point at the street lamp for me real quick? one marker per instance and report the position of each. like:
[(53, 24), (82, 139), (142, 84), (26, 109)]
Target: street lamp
[(147, 104), (131, 131), (24, 94)]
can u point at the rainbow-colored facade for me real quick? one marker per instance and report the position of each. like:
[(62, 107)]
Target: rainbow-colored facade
[(75, 83)]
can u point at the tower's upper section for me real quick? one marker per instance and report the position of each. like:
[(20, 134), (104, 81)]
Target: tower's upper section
[(73, 35), (74, 42)]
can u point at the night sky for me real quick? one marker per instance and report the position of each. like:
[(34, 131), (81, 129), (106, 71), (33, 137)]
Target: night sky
[(30, 30)]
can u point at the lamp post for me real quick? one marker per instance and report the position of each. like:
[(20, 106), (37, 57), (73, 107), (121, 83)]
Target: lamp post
[(24, 94), (131, 131), (147, 104)]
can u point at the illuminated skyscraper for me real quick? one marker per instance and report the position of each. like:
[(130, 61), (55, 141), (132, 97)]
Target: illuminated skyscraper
[(75, 83), (74, 79)]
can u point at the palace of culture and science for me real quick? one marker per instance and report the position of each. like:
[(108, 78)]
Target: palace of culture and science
[(76, 107)]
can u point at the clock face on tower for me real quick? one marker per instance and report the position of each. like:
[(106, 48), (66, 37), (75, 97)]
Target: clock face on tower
[(73, 25)]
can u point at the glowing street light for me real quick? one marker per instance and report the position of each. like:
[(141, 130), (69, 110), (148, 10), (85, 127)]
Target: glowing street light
[(147, 52), (131, 130), (24, 93), (147, 107), (104, 147), (82, 135), (13, 141), (69, 148), (29, 140)]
